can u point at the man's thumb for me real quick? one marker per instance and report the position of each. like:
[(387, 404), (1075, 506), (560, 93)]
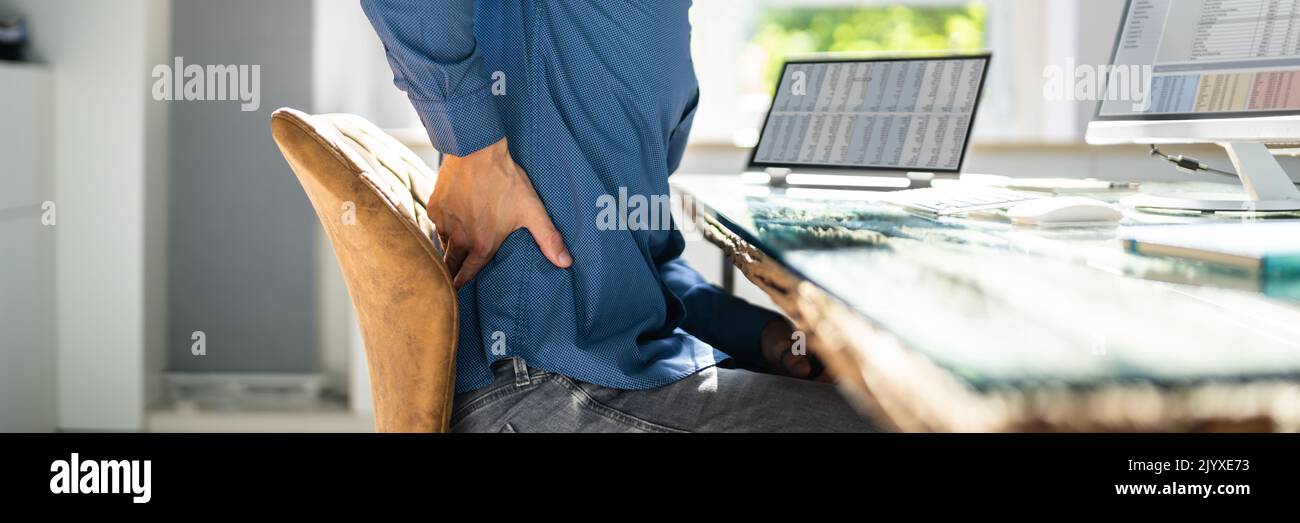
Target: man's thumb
[(548, 239)]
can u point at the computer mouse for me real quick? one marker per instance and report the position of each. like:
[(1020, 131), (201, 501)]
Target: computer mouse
[(1064, 210)]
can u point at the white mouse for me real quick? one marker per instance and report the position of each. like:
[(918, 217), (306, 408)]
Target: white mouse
[(1064, 210)]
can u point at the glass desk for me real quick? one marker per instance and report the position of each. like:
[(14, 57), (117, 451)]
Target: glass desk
[(978, 325)]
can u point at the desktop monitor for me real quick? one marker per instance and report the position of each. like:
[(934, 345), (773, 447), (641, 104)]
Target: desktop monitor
[(908, 114), (1215, 72)]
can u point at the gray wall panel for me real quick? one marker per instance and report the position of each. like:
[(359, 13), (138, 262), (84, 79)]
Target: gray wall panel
[(242, 237)]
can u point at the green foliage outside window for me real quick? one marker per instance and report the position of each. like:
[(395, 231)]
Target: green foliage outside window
[(782, 31)]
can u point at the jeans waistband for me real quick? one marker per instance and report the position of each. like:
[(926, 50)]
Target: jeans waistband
[(516, 369)]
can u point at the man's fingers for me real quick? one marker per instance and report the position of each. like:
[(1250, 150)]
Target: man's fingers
[(473, 263), (455, 257), (547, 237), (439, 227), (796, 366)]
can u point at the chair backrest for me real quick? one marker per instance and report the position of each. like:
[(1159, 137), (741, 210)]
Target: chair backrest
[(369, 192)]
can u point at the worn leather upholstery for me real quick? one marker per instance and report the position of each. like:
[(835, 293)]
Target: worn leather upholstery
[(369, 192)]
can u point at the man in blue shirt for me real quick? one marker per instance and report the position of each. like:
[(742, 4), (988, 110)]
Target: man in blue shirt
[(540, 108)]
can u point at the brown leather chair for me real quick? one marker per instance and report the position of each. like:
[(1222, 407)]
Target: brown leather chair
[(369, 192)]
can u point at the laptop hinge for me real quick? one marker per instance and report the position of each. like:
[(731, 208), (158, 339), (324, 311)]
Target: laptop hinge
[(781, 177)]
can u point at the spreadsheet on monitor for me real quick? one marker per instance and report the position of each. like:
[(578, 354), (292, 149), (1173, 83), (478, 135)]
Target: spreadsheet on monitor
[(1212, 56)]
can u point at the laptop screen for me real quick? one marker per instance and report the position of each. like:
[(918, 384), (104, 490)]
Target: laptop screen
[(912, 114)]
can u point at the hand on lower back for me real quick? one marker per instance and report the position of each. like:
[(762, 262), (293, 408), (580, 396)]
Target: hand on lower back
[(478, 201)]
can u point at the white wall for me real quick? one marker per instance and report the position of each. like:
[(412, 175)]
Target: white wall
[(349, 71), (107, 149), (28, 383)]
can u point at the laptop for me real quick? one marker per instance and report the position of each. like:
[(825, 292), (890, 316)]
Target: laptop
[(837, 122)]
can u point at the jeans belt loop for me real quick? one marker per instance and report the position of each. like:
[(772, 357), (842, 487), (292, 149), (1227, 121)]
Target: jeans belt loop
[(521, 373)]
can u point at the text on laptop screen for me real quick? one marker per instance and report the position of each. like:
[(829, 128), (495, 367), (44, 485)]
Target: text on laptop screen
[(912, 114)]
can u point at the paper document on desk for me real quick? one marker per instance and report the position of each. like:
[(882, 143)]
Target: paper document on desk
[(1265, 248)]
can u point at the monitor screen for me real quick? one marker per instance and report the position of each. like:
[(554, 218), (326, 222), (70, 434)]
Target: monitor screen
[(1205, 59), (894, 114)]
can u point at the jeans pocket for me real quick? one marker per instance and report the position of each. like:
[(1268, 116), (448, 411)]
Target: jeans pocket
[(473, 403), (591, 405)]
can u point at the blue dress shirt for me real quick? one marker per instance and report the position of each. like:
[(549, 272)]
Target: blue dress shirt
[(596, 97)]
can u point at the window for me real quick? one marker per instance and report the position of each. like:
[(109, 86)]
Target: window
[(739, 46), (784, 31)]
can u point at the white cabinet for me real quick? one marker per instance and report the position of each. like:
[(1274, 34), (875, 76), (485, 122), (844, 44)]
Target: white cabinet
[(27, 349)]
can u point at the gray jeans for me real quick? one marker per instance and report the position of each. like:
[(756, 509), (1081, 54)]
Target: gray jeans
[(712, 400)]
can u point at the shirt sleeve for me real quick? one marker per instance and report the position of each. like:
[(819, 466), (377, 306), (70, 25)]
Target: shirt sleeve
[(436, 62), (720, 319)]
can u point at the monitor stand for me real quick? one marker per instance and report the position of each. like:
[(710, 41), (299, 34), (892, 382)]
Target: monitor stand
[(1268, 188)]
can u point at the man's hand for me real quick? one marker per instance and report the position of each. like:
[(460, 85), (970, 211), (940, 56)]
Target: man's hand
[(480, 199), (778, 344)]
